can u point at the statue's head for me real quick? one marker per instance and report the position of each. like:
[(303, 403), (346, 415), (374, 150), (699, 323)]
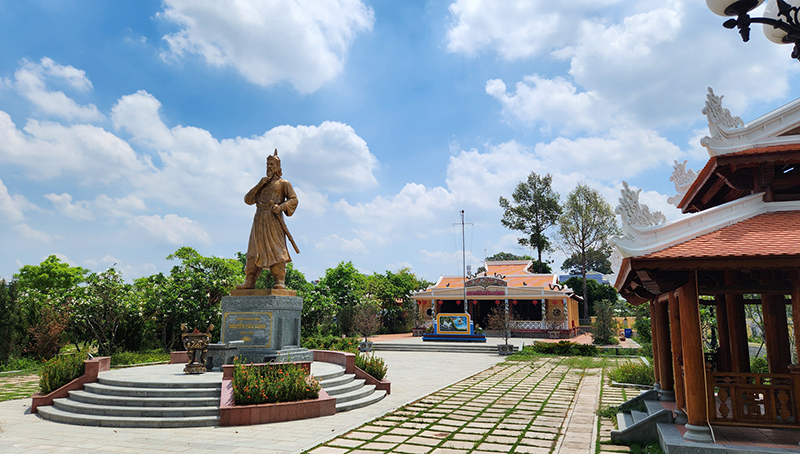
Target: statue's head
[(274, 165)]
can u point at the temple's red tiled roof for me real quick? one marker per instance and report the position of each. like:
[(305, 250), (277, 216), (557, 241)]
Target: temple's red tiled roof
[(769, 234), (766, 150)]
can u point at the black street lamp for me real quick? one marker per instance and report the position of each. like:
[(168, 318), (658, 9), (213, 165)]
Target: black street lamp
[(781, 24)]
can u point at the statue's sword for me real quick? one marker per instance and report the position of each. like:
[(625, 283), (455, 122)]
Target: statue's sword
[(286, 231)]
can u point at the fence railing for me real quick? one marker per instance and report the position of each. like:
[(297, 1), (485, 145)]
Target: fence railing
[(752, 399)]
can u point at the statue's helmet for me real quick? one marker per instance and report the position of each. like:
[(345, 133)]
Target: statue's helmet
[(276, 160)]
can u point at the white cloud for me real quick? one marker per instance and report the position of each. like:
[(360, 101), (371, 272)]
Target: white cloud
[(108, 261), (32, 234), (80, 210), (30, 82), (515, 29), (171, 228), (624, 152), (102, 206), (330, 157), (12, 206), (335, 243), (554, 102), (303, 42), (87, 152)]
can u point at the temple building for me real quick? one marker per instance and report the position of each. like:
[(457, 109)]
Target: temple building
[(543, 308), (740, 247)]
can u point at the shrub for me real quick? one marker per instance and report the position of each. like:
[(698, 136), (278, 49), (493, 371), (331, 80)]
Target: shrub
[(603, 329), (563, 348), (372, 365), (47, 335), (635, 373), (59, 371), (759, 365), (22, 363), (146, 356), (339, 344), (272, 383)]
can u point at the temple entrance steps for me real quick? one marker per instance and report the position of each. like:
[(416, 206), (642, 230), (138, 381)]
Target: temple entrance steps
[(120, 403), (350, 393), (448, 347), (639, 423)]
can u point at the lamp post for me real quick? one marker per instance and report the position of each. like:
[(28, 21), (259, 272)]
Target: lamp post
[(780, 21)]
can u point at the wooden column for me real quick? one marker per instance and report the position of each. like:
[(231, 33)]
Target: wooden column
[(654, 338), (776, 329), (796, 311), (664, 352), (693, 364), (737, 327), (677, 358), (724, 356)]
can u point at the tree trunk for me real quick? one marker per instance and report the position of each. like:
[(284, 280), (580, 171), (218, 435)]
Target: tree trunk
[(585, 295)]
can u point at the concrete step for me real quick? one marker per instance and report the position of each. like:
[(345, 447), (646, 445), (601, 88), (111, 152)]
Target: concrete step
[(624, 420), (127, 383), (51, 413), (356, 394), (126, 401), (83, 408), (337, 381), (638, 416), (149, 391), (326, 371), (362, 402), (345, 388), (435, 347), (653, 406)]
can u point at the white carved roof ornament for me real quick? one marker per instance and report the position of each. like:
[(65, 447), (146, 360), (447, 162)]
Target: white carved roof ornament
[(634, 213), (683, 179), (728, 134)]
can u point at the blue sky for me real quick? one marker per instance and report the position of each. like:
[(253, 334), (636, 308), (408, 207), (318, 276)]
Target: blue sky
[(129, 129)]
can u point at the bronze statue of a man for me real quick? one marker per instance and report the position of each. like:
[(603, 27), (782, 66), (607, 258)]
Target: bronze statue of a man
[(272, 197)]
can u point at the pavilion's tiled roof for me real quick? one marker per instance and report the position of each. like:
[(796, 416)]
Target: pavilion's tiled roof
[(530, 280), (507, 268), (769, 234)]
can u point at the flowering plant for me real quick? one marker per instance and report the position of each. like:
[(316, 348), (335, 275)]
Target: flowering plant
[(272, 383)]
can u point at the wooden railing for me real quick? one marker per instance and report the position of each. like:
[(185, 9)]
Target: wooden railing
[(753, 399)]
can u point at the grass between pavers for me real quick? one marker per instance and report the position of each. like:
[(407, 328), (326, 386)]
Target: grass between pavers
[(18, 386), (512, 406)]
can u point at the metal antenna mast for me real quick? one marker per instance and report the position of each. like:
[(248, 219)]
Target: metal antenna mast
[(464, 261)]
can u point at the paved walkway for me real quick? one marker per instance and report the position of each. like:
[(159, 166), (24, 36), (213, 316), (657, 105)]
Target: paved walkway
[(413, 376), (544, 406)]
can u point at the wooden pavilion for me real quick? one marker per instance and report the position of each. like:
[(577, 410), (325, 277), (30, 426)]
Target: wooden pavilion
[(542, 306), (742, 246)]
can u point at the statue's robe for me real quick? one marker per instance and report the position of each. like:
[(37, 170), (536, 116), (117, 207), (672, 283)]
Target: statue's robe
[(267, 245)]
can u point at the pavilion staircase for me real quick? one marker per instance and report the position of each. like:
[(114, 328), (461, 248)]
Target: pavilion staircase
[(637, 426), (118, 403), (448, 347), (350, 393)]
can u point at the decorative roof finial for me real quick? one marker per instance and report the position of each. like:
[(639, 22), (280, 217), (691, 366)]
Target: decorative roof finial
[(634, 213)]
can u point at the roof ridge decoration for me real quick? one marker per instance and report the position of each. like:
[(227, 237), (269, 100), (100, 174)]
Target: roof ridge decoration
[(728, 134), (683, 179), (635, 214)]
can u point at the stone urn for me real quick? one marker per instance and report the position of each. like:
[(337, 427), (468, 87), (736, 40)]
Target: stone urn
[(505, 349), (365, 346), (196, 344), (417, 331)]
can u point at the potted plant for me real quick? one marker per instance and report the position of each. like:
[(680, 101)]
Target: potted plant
[(500, 320), (367, 321)]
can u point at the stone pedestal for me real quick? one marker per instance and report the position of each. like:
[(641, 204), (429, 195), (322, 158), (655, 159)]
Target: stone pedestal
[(221, 354), (268, 323)]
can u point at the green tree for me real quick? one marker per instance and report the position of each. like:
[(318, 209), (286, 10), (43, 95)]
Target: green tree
[(586, 224), (190, 294), (101, 308), (43, 292), (11, 327), (596, 260), (595, 292), (345, 286), (535, 209), (393, 292), (506, 257), (604, 329)]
